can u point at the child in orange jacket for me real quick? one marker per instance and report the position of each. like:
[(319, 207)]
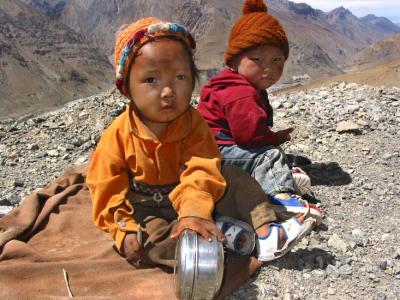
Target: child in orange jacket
[(157, 168)]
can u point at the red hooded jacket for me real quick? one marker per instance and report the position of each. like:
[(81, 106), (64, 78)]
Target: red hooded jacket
[(236, 112)]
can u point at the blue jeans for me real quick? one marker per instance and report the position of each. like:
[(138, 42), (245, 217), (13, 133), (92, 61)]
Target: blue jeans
[(268, 165)]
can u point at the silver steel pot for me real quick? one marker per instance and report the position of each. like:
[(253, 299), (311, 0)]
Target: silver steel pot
[(199, 267)]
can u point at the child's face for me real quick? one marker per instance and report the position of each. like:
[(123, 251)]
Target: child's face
[(261, 66), (160, 82)]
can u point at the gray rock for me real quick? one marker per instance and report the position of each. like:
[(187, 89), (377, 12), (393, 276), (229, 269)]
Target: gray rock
[(32, 147), (381, 296), (41, 154), (13, 199), (331, 291), (53, 153), (383, 265), (18, 183), (337, 244), (348, 127), (345, 270)]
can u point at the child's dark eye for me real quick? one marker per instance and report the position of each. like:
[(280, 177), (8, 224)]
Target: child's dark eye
[(278, 59), (255, 59), (150, 80), (180, 77)]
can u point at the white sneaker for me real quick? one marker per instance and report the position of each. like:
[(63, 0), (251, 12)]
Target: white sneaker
[(268, 246), (302, 182)]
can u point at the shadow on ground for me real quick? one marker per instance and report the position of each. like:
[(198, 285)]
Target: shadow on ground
[(305, 259), (329, 174)]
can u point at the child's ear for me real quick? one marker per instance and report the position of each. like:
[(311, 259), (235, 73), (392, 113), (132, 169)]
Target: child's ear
[(233, 65), (233, 68)]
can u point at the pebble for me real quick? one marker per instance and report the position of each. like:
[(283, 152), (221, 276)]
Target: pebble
[(345, 270), (41, 154), (383, 265), (287, 296), (348, 126), (337, 243), (53, 153), (381, 296), (13, 199), (331, 291), (18, 183)]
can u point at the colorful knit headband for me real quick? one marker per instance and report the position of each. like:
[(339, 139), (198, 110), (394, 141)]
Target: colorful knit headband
[(151, 30)]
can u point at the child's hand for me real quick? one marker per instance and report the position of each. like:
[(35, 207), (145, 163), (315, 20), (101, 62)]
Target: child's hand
[(203, 227), (284, 135), (132, 248)]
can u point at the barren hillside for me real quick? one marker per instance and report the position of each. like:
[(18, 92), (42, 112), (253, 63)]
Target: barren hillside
[(382, 23), (44, 63), (318, 41), (385, 50), (378, 75)]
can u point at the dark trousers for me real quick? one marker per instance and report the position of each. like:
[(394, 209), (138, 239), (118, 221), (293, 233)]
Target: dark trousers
[(244, 200)]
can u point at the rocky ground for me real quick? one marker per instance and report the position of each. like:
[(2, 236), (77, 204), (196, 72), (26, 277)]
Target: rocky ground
[(351, 134)]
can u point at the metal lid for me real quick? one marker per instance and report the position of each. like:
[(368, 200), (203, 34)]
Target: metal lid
[(186, 263), (199, 266)]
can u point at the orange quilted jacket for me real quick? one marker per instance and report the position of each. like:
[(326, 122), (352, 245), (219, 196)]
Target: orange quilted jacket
[(187, 153)]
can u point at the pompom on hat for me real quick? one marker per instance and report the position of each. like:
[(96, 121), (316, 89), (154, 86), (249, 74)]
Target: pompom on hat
[(255, 27), (130, 38)]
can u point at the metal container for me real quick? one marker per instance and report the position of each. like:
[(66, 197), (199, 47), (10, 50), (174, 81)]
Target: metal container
[(199, 267)]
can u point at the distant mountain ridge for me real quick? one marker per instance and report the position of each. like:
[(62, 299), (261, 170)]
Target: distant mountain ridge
[(382, 23), (350, 26), (320, 42), (50, 7)]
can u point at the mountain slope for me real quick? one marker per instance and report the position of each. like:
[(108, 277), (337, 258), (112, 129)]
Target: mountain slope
[(43, 62), (383, 24), (352, 27), (319, 42), (378, 75), (382, 51), (209, 20)]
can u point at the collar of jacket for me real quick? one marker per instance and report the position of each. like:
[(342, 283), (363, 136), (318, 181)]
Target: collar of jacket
[(176, 130)]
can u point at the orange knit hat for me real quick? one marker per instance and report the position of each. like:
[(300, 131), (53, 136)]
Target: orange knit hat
[(132, 37), (255, 27)]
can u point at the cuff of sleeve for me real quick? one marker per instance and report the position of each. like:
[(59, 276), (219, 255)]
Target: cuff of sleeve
[(123, 228), (199, 205)]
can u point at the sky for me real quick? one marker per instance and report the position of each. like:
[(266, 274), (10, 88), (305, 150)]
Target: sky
[(381, 8)]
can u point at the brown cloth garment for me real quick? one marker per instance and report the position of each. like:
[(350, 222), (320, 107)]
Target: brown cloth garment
[(52, 230)]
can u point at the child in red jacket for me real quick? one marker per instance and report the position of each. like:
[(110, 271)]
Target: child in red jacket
[(235, 105)]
